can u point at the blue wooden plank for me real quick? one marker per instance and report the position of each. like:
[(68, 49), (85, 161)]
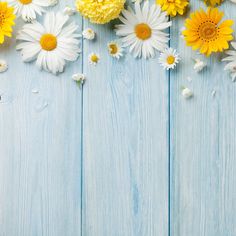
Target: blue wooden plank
[(203, 144), (40, 148), (125, 174)]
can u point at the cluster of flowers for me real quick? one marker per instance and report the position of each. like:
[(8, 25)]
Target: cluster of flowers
[(142, 30)]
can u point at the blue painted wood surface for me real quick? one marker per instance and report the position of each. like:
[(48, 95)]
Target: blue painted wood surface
[(126, 154)]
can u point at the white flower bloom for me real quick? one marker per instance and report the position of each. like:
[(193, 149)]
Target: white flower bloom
[(169, 58), (78, 77), (69, 11), (231, 59), (199, 65), (93, 59), (88, 34), (51, 44), (142, 31), (3, 66), (29, 9), (115, 49), (187, 93)]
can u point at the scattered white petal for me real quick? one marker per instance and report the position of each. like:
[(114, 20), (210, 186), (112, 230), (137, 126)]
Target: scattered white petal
[(199, 65), (3, 66), (35, 90), (169, 58), (115, 49), (88, 34), (189, 79), (79, 78), (94, 59), (187, 93), (213, 93), (69, 11)]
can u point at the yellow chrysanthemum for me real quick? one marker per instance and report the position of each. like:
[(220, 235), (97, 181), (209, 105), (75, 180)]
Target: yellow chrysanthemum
[(6, 20), (213, 2), (205, 32), (173, 7), (100, 11)]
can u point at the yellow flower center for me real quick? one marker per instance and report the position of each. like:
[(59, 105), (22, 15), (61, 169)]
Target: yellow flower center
[(113, 48), (143, 31), (25, 2), (48, 42), (171, 1), (170, 60), (208, 31), (2, 18), (94, 58)]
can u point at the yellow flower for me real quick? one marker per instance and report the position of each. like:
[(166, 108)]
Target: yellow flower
[(213, 2), (205, 32), (100, 11), (173, 7), (6, 20)]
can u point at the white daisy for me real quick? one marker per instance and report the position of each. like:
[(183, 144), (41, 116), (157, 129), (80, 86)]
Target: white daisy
[(142, 31), (53, 2), (3, 66), (169, 58), (51, 44), (88, 34), (231, 59), (115, 49), (29, 9), (93, 58)]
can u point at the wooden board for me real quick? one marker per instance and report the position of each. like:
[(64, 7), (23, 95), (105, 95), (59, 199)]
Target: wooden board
[(40, 148)]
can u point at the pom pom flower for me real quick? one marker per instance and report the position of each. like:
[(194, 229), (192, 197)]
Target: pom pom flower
[(6, 21), (100, 11), (173, 7), (205, 32), (213, 3)]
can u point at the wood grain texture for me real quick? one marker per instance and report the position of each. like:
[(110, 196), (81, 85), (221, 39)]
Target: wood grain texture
[(40, 148), (202, 144), (125, 158)]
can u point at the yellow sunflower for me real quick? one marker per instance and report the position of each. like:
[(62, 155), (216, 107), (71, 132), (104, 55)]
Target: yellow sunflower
[(173, 7), (205, 32), (6, 20), (213, 2)]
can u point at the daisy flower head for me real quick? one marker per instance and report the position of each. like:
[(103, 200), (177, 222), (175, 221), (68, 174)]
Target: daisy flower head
[(169, 58), (213, 3), (29, 9), (206, 32), (89, 34), (93, 58), (7, 18), (50, 44), (115, 49), (231, 59), (100, 11), (142, 30), (173, 7)]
